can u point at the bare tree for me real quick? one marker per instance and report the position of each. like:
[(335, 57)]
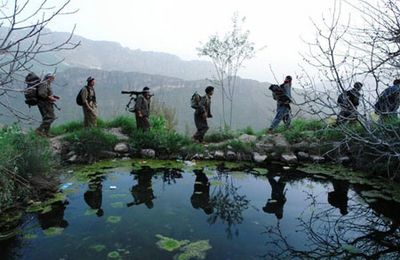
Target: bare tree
[(228, 54), (25, 42), (343, 53)]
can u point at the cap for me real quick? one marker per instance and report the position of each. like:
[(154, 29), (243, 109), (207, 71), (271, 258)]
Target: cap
[(146, 89), (89, 79), (49, 75), (358, 85)]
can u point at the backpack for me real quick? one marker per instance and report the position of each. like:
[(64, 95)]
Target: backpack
[(387, 100), (195, 100), (79, 98), (31, 91), (278, 93)]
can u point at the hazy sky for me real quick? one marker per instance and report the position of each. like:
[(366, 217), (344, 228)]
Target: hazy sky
[(178, 26)]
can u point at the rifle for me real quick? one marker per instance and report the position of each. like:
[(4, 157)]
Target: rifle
[(133, 96)]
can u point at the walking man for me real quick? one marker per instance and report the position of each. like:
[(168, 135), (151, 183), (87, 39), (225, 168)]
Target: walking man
[(202, 112), (89, 104), (388, 102), (142, 110), (348, 102), (283, 97), (46, 101)]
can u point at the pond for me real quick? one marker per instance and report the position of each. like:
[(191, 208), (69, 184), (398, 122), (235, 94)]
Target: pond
[(208, 212)]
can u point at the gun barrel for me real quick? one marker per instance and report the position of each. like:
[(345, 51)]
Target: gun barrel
[(126, 92)]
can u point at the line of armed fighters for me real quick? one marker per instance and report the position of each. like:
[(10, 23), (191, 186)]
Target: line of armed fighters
[(39, 92)]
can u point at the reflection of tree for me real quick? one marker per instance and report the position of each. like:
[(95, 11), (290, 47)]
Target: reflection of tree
[(142, 192), (94, 196), (228, 205), (170, 176), (363, 234)]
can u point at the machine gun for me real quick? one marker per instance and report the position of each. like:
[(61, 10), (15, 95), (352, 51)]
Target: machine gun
[(133, 97)]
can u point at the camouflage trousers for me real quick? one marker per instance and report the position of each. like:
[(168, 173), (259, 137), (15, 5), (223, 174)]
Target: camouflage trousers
[(89, 118), (202, 127), (142, 123), (46, 109)]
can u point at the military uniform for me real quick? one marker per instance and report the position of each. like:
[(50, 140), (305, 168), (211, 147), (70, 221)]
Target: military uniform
[(200, 117), (283, 110), (348, 109), (142, 106), (89, 106), (46, 107)]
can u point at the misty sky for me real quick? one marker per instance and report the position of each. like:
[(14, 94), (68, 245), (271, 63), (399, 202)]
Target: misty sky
[(177, 27)]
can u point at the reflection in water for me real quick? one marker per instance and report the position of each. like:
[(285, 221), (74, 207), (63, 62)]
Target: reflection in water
[(338, 197), (277, 201), (360, 233), (94, 196), (201, 193), (142, 192), (54, 218), (228, 204)]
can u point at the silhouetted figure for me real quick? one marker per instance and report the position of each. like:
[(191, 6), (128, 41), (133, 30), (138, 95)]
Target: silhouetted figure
[(277, 201), (142, 192), (201, 193), (338, 197), (54, 218), (94, 195)]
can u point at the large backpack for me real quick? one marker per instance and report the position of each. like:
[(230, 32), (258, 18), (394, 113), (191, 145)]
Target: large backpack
[(31, 91), (278, 93), (195, 100)]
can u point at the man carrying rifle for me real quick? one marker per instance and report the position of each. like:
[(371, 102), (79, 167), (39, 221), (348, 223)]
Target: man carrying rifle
[(142, 109)]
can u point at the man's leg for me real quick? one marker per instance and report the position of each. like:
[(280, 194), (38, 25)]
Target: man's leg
[(280, 113), (202, 127), (48, 117), (287, 118)]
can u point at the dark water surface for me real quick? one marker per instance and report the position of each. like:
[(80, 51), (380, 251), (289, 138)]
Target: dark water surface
[(285, 214)]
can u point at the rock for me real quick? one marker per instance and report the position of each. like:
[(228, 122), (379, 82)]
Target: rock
[(107, 154), (56, 144), (300, 146), (244, 157), (121, 148), (117, 132), (265, 147), (231, 156), (148, 153), (73, 159), (343, 159), (302, 156), (247, 138), (258, 158), (280, 141), (289, 158), (197, 156), (317, 158), (219, 155)]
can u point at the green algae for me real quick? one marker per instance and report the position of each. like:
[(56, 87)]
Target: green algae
[(117, 205), (118, 196), (260, 171), (45, 206), (53, 231), (114, 219), (170, 244), (98, 247), (216, 183), (195, 250), (374, 194), (30, 236), (351, 249), (90, 212), (114, 255)]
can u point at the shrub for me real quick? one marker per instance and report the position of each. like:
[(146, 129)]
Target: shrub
[(127, 123), (91, 142), (220, 136), (67, 128)]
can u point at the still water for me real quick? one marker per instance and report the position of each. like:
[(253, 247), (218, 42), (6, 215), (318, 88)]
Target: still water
[(122, 213)]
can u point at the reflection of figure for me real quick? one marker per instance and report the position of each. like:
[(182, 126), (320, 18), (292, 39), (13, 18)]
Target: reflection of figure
[(201, 193), (338, 197), (54, 218), (142, 192), (93, 196), (277, 200)]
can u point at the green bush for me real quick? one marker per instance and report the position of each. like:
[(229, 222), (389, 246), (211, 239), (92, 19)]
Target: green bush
[(220, 136), (127, 123), (239, 146), (22, 157), (67, 128), (91, 142)]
